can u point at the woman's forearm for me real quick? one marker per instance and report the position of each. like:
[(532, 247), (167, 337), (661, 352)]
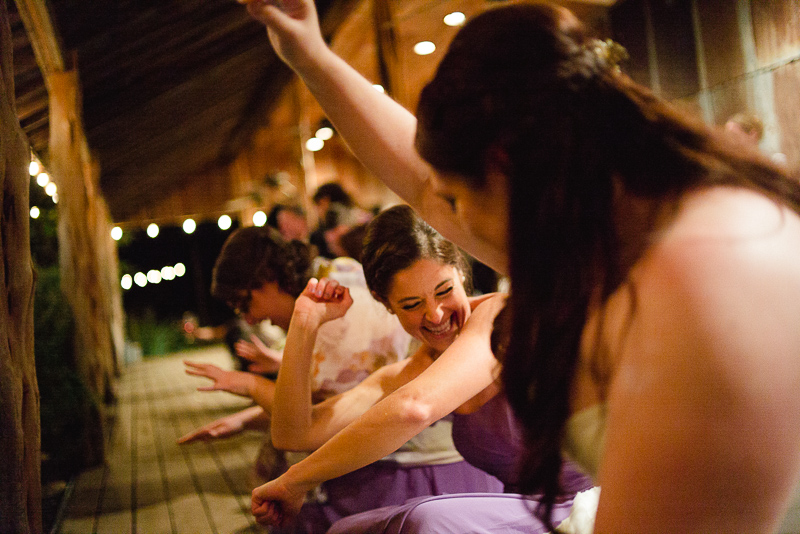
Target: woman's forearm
[(262, 391), (379, 432), (291, 415), (466, 369)]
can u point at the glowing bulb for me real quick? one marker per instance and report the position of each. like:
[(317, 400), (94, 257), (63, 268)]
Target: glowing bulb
[(180, 269), (259, 218), (126, 282), (168, 273), (378, 87), (314, 144), (35, 212), (34, 168), (152, 230), (55, 198), (423, 48), (189, 226), (43, 179), (50, 189), (224, 222), (140, 279), (116, 233), (153, 276), (455, 18), (324, 133)]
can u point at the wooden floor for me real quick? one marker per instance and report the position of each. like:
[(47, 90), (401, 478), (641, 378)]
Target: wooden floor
[(150, 484)]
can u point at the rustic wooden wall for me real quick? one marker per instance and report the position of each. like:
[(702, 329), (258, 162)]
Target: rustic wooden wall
[(720, 57), (20, 486)]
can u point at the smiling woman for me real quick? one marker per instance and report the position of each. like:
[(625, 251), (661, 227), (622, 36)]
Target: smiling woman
[(420, 277)]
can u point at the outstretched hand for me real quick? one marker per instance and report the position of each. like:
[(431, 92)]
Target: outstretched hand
[(236, 382), (263, 358), (324, 300), (292, 26), (230, 425), (274, 503), (253, 418)]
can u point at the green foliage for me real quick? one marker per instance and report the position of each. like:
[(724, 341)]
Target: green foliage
[(156, 337), (67, 407)]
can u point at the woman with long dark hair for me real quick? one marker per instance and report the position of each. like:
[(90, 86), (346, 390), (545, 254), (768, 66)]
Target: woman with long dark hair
[(655, 265)]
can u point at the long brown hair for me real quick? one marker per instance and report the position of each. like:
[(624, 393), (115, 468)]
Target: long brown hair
[(524, 79)]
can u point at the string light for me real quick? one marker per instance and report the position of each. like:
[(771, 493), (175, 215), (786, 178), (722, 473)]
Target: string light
[(42, 179), (116, 233), (259, 218), (35, 212), (126, 282), (152, 230), (189, 226), (153, 276), (33, 168), (168, 273), (224, 222)]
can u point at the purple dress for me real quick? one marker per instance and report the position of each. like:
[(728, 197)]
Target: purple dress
[(490, 439), (387, 483)]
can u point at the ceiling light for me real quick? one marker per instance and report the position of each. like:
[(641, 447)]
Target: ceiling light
[(324, 133), (423, 48), (456, 18), (314, 144)]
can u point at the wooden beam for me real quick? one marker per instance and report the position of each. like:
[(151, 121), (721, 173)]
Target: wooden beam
[(43, 39)]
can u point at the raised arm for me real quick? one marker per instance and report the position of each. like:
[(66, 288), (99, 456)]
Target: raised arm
[(464, 370), (299, 425), (379, 131)]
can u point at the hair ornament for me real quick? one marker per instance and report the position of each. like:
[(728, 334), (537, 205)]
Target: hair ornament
[(609, 52)]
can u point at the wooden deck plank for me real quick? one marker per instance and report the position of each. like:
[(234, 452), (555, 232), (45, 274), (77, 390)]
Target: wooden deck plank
[(150, 484)]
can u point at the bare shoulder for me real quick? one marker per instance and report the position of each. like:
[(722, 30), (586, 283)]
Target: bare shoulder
[(392, 376), (703, 426)]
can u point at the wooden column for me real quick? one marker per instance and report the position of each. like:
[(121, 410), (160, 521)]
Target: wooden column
[(87, 258), (20, 479)]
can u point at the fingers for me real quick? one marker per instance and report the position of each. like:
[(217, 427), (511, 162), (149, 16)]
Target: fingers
[(197, 369), (268, 513), (328, 289), (191, 436)]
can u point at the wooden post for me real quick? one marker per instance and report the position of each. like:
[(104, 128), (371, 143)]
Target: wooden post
[(86, 258), (20, 478)]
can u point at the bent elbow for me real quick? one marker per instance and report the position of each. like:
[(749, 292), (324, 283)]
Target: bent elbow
[(416, 412)]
